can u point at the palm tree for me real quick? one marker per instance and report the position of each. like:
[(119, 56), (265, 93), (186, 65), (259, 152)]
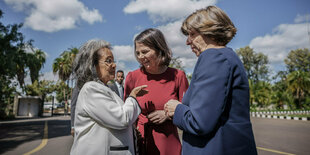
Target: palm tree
[(20, 67), (73, 53), (260, 93), (263, 93), (63, 66), (299, 83), (35, 62)]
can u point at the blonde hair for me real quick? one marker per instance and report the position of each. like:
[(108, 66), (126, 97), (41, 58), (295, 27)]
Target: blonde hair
[(211, 22)]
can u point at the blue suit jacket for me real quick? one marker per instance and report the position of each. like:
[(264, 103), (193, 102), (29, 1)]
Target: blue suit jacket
[(214, 115)]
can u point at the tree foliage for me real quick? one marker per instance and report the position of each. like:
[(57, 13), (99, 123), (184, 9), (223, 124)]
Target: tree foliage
[(62, 91), (16, 62), (255, 64), (41, 88), (11, 41), (176, 63), (299, 84), (298, 60), (63, 67), (35, 61)]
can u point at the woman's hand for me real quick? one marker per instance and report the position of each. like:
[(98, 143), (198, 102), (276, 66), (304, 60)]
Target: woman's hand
[(139, 91), (157, 117), (170, 107)]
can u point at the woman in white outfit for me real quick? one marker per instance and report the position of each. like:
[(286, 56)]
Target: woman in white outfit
[(103, 122)]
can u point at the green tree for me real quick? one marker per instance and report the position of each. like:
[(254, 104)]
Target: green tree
[(260, 93), (60, 96), (255, 64), (298, 68), (63, 66), (263, 95), (189, 77), (279, 94), (299, 84), (11, 41), (176, 63), (35, 62), (21, 60), (73, 53), (7, 97), (298, 59)]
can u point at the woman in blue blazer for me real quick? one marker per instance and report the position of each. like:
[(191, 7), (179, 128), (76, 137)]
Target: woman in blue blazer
[(214, 115)]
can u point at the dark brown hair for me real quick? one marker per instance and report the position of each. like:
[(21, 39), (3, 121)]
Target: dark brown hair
[(154, 39)]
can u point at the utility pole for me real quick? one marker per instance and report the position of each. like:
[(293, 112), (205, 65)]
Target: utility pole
[(52, 106)]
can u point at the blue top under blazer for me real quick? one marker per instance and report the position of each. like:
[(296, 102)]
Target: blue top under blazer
[(214, 115)]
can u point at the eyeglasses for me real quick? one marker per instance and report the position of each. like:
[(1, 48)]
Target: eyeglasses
[(108, 61)]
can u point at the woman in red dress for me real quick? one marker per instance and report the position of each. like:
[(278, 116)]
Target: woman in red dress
[(159, 135)]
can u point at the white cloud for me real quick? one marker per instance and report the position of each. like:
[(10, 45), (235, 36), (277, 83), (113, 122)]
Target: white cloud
[(49, 76), (177, 43), (165, 10), (285, 37), (54, 15), (125, 59), (124, 53), (302, 18), (139, 27), (43, 76), (120, 65)]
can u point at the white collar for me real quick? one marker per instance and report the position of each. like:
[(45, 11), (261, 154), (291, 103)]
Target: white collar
[(117, 84)]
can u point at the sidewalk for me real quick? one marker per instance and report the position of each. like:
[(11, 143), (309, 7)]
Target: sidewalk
[(28, 119)]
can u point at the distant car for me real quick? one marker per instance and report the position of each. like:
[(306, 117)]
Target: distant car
[(47, 105), (55, 105), (61, 105)]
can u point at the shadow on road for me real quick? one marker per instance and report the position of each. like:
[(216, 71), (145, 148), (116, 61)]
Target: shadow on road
[(14, 134)]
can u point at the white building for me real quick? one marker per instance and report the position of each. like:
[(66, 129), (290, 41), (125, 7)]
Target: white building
[(27, 106)]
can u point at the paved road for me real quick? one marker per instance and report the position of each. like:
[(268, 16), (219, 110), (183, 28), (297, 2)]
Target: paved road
[(287, 136), (22, 136), (272, 136)]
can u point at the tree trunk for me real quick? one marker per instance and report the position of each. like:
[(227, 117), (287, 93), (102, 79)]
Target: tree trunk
[(65, 101)]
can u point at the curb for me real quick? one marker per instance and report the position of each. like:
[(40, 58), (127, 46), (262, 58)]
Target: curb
[(281, 117)]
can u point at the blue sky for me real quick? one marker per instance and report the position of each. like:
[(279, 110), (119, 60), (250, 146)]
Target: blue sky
[(273, 27)]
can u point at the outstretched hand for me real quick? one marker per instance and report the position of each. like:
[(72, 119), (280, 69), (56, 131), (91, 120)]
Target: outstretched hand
[(139, 91), (170, 107)]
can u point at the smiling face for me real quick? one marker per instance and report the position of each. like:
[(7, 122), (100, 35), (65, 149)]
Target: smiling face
[(147, 57), (106, 66), (197, 42)]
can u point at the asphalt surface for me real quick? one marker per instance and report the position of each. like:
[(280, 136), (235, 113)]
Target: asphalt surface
[(272, 136), (287, 136), (22, 136)]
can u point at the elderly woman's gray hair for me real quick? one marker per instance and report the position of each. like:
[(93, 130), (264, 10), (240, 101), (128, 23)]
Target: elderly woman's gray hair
[(84, 66)]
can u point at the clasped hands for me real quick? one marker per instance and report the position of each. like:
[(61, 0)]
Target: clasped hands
[(170, 107), (160, 116)]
